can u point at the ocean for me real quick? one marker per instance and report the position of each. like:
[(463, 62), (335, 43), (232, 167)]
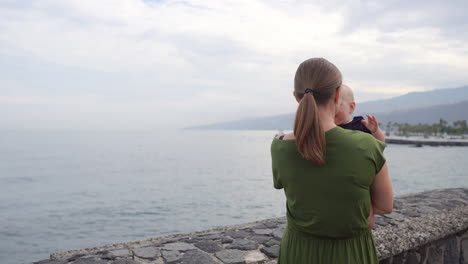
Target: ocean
[(64, 190)]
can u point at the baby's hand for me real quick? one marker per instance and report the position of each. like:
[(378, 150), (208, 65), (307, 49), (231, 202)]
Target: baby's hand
[(371, 123)]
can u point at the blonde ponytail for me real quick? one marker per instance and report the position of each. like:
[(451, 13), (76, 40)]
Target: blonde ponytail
[(315, 83), (310, 138)]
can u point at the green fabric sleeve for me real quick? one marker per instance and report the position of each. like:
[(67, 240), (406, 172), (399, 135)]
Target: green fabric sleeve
[(276, 181), (276, 178)]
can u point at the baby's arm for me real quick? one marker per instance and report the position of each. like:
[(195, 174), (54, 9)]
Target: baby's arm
[(373, 125)]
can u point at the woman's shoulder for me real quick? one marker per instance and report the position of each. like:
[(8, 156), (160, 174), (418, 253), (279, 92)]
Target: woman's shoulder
[(355, 137), (289, 136), (283, 143)]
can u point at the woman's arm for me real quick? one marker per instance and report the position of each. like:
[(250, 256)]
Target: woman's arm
[(382, 192)]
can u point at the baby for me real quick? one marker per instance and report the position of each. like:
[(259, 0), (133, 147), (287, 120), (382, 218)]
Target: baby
[(344, 118)]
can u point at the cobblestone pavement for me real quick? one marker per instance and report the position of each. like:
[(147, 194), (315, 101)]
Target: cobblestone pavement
[(417, 219)]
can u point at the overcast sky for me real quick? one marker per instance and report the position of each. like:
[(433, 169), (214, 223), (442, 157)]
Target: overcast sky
[(132, 64)]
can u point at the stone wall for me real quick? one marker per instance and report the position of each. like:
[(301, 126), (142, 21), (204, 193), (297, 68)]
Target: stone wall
[(427, 227), (450, 249)]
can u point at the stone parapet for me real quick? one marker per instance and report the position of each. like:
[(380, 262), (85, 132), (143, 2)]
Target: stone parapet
[(427, 227)]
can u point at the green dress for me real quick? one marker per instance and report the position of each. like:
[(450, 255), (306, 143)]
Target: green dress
[(327, 206)]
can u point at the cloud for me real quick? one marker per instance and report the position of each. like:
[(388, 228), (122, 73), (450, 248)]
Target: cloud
[(396, 15), (235, 57)]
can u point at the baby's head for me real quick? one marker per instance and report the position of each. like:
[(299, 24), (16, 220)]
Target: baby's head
[(346, 106)]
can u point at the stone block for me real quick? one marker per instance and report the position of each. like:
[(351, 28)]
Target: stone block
[(117, 253), (260, 239), (413, 257), (423, 253), (410, 212), (51, 261), (171, 256), (399, 259), (381, 221), (259, 226), (435, 255), (147, 252), (464, 249), (120, 253), (424, 209), (271, 224), (254, 257), (75, 257), (237, 233), (189, 240), (90, 261), (451, 252), (397, 204), (272, 242), (231, 256), (263, 231), (178, 246), (464, 234), (226, 240), (272, 252), (456, 202), (460, 233), (395, 216), (209, 246), (278, 233), (386, 261), (242, 244), (215, 236), (196, 257), (439, 206), (124, 261)]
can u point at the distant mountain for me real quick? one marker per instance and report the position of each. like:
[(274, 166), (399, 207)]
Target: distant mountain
[(416, 107), (278, 122), (428, 115), (414, 100)]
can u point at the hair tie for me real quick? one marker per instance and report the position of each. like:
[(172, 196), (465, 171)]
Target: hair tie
[(309, 90)]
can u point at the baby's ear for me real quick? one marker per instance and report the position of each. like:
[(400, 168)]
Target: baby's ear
[(353, 106)]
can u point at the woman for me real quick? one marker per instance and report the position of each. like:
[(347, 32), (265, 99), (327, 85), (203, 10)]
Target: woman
[(329, 175)]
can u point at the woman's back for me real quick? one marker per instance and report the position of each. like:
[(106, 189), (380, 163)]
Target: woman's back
[(327, 176), (330, 202)]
